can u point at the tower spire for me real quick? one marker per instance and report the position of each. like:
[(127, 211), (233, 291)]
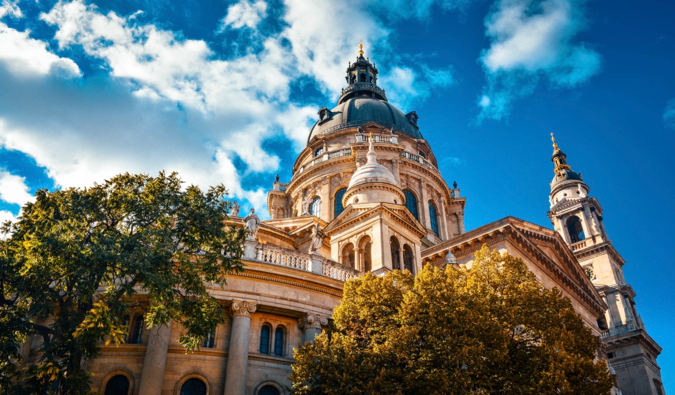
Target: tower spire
[(361, 47)]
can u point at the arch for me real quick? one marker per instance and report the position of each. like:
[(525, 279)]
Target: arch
[(315, 207), (114, 375), (117, 385), (194, 386), (279, 341), (337, 204), (348, 255), (210, 339), (362, 77), (395, 256), (433, 218), (411, 203), (136, 333), (574, 229), (268, 388), (265, 334), (408, 259), (366, 246)]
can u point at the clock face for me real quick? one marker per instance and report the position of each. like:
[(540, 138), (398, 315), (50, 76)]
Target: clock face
[(589, 272)]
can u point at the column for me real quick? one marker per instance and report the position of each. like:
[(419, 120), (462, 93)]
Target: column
[(444, 224), (311, 325), (358, 259), (400, 257), (237, 354), (152, 377), (460, 219)]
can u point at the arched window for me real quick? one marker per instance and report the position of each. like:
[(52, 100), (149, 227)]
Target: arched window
[(265, 334), (337, 206), (315, 207), (269, 390), (433, 218), (318, 152), (408, 259), (362, 77), (136, 330), (118, 385), (366, 247), (210, 339), (279, 341), (348, 255), (395, 258), (411, 203), (194, 386), (575, 230)]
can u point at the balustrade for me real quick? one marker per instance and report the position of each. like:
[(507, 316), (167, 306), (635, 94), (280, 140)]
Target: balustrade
[(301, 261)]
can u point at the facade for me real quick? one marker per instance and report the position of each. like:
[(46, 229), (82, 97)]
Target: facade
[(366, 195)]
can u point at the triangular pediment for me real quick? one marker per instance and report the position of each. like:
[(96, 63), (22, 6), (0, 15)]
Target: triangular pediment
[(358, 213)]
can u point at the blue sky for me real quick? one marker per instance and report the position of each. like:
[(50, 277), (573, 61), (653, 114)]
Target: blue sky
[(225, 92)]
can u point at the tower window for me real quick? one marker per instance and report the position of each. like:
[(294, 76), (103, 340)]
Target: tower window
[(575, 229), (395, 258), (193, 386), (366, 255), (136, 330), (362, 77), (279, 341), (411, 203), (318, 152), (408, 260), (433, 218), (315, 207), (337, 206)]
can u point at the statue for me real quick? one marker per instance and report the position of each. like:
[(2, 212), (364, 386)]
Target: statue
[(317, 239), (276, 179), (234, 212), (252, 225), (454, 184)]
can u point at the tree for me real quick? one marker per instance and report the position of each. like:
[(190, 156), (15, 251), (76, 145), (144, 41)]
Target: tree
[(77, 260), (489, 329)]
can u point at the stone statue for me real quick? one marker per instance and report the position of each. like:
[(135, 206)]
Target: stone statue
[(252, 224), (454, 184), (276, 179), (234, 212), (317, 239)]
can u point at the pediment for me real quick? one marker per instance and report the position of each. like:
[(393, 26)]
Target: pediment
[(357, 213)]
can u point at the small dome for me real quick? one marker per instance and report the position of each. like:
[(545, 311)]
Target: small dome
[(372, 172)]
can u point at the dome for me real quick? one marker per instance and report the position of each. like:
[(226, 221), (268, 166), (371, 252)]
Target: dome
[(372, 172), (359, 110)]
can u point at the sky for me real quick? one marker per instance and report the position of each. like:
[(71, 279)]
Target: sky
[(226, 92)]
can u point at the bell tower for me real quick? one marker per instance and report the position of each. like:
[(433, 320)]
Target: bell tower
[(577, 217)]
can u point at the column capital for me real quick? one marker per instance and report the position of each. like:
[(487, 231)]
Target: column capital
[(312, 320), (243, 308)]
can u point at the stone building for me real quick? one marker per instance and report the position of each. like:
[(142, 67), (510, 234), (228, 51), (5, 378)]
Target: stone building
[(366, 195)]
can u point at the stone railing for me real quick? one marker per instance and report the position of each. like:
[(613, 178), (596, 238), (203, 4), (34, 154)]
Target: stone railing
[(618, 330), (324, 157), (306, 262), (417, 158), (363, 138), (338, 271), (578, 245)]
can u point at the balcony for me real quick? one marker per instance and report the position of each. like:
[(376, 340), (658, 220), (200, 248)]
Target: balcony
[(418, 159), (300, 261), (324, 157), (363, 138)]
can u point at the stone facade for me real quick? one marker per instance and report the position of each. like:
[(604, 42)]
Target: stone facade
[(366, 195)]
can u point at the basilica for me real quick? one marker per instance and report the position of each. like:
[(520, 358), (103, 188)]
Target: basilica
[(366, 195)]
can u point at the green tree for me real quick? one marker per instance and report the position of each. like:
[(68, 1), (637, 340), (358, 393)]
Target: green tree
[(76, 261), (490, 329)]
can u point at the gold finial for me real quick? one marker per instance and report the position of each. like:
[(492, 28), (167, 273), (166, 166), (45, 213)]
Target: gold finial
[(360, 47), (554, 143), (370, 136)]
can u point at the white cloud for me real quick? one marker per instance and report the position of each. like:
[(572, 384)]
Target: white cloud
[(245, 13), (532, 39), (13, 189), (11, 8), (669, 114)]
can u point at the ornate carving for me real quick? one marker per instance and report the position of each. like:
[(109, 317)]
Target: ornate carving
[(242, 308), (312, 320)]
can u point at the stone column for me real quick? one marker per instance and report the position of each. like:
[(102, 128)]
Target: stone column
[(444, 225), (400, 257), (358, 259), (460, 219), (237, 355), (311, 325), (152, 377)]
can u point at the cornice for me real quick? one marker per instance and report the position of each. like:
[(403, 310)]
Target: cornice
[(258, 275), (309, 173), (599, 249)]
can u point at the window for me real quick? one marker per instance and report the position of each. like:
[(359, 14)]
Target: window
[(433, 219), (315, 207), (348, 255), (318, 152), (279, 341), (210, 339), (193, 386), (265, 333), (268, 390), (118, 385), (575, 229), (125, 322), (411, 203), (362, 77), (366, 247), (395, 258), (136, 330), (337, 206), (408, 260)]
